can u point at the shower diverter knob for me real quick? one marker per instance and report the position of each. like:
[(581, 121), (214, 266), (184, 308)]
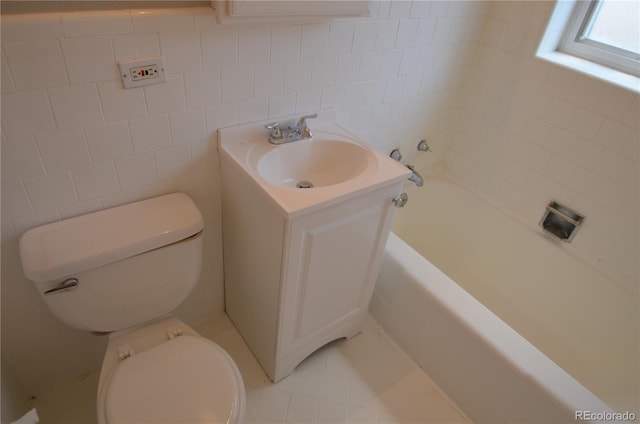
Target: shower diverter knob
[(401, 200)]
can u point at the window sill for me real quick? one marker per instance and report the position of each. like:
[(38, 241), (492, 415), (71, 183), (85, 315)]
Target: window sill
[(621, 79), (548, 50)]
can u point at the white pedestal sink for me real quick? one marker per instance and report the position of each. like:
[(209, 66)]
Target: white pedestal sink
[(300, 263)]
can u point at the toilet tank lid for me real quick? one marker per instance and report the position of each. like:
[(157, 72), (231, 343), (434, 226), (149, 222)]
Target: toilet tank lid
[(64, 248)]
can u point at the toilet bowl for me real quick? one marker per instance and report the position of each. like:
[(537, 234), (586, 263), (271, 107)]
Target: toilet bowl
[(124, 271), (171, 375)]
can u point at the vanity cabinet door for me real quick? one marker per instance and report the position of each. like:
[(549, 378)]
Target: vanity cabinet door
[(331, 261)]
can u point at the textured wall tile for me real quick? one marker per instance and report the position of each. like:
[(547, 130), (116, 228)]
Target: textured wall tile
[(95, 181), (119, 103), (315, 40), (150, 133), (285, 42), (220, 47), (187, 126), (202, 88), (221, 115), (166, 97), (63, 150), (407, 31), (19, 204), (7, 84), (386, 35), (323, 71), (75, 106), (340, 37), (37, 26), (268, 79), (254, 43), (348, 68), (237, 83), (28, 59), (51, 191), (135, 45), (297, 75), (308, 101), (136, 171), (370, 65), (390, 63), (181, 51), (20, 159), (252, 110), (173, 163), (96, 23), (109, 141), (364, 37), (26, 113), (284, 105), (90, 59), (332, 97)]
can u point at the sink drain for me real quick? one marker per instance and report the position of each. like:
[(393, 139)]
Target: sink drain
[(304, 184)]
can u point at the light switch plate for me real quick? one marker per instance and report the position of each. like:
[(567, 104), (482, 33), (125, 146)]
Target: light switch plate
[(139, 72)]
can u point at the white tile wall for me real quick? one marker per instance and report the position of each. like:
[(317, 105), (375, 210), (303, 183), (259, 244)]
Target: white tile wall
[(75, 106), (552, 133), (74, 141), (29, 58), (26, 113)]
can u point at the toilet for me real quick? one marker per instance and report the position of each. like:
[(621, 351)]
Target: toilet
[(123, 271)]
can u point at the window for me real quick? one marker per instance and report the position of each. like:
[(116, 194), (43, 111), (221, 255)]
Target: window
[(607, 32), (597, 37)]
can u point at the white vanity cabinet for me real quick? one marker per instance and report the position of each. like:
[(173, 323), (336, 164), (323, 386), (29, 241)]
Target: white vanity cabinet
[(293, 285), (300, 264), (270, 10), (330, 262)]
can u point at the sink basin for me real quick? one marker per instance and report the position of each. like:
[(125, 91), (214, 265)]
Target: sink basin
[(313, 163), (334, 163)]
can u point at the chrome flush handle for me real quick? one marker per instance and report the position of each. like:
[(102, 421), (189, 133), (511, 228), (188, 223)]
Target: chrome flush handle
[(65, 286)]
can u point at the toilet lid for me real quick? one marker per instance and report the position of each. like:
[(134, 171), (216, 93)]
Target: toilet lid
[(184, 380)]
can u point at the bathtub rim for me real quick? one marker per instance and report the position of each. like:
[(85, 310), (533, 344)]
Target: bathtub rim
[(513, 348)]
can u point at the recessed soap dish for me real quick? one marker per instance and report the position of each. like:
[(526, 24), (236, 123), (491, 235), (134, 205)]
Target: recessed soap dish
[(560, 222)]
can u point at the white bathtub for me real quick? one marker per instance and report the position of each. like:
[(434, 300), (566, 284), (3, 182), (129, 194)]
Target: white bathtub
[(554, 338)]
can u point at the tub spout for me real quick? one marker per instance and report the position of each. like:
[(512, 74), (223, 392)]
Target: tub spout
[(415, 176)]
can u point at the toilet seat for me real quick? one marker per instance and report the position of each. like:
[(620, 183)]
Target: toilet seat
[(184, 379)]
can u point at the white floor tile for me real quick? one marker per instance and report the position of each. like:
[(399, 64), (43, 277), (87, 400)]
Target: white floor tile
[(367, 379), (71, 403)]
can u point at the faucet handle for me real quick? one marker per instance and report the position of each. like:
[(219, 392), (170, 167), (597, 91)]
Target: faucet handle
[(275, 133), (303, 119)]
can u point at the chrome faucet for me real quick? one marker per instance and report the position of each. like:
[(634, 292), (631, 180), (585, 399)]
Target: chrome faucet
[(295, 132), (415, 176)]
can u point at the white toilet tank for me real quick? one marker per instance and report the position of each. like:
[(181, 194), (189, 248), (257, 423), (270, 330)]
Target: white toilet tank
[(132, 263)]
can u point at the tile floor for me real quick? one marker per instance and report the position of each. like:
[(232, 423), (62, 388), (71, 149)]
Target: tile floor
[(367, 379)]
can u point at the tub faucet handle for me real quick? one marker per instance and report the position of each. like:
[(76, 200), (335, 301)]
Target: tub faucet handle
[(396, 155), (400, 200), (423, 146)]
